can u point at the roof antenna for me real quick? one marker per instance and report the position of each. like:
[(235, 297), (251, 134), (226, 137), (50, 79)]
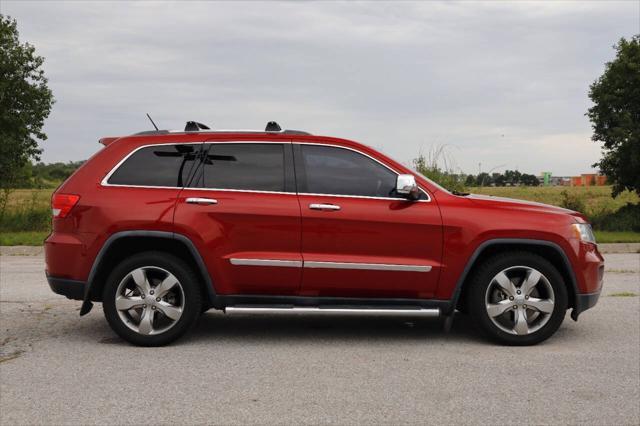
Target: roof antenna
[(151, 119)]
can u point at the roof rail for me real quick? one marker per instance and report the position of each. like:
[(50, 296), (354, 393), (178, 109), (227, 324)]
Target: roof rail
[(194, 126)]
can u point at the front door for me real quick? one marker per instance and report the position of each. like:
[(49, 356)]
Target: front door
[(242, 213), (359, 239)]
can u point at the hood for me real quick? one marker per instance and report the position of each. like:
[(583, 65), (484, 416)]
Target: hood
[(514, 204)]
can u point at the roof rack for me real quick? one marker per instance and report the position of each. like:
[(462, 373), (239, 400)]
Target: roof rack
[(194, 126)]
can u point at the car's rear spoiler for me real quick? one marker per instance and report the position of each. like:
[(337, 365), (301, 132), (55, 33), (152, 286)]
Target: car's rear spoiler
[(108, 141)]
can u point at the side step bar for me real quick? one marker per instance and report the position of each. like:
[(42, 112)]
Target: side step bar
[(432, 313)]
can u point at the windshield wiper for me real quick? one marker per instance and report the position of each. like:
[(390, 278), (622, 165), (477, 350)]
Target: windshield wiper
[(461, 194)]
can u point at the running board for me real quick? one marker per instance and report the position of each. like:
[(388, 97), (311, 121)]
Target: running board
[(432, 313)]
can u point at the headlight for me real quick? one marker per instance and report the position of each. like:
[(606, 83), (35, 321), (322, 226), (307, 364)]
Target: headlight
[(584, 232)]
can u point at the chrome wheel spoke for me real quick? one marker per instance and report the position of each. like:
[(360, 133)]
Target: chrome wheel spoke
[(530, 281), (521, 326), (505, 284), (146, 321), (169, 310), (124, 303), (154, 305), (541, 305), (495, 309), (519, 300), (167, 284), (139, 276)]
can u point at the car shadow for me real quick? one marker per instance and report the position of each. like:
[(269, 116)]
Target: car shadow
[(286, 328)]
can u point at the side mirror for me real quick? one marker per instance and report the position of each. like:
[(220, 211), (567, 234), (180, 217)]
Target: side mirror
[(407, 187)]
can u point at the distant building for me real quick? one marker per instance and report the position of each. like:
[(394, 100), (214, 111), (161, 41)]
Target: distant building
[(586, 179), (589, 179)]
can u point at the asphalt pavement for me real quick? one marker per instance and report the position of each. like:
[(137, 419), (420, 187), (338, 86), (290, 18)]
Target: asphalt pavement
[(59, 368)]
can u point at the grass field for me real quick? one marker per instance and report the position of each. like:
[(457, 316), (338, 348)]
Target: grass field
[(23, 238), (597, 199), (27, 218), (21, 197)]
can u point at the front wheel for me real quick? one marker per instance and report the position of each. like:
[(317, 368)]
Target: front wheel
[(151, 299), (518, 298)]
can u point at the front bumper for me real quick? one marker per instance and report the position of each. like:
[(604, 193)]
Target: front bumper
[(70, 288), (584, 302)]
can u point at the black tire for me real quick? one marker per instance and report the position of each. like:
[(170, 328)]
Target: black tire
[(482, 279), (192, 299)]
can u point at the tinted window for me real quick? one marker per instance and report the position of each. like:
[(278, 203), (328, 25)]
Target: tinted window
[(258, 167), (161, 165), (331, 170)]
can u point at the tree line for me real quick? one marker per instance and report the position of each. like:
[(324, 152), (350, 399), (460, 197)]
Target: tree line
[(508, 178), (41, 175)]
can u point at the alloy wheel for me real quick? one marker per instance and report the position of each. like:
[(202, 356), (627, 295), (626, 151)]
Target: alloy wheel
[(149, 300), (520, 300)]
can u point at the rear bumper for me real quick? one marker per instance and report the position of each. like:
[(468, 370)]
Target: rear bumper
[(584, 302), (71, 289)]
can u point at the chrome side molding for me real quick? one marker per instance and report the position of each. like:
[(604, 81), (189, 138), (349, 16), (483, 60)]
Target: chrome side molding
[(330, 265), (267, 262), (370, 266), (423, 312)]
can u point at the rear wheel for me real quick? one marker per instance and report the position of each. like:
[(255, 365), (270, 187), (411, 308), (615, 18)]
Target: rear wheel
[(151, 299), (518, 298)]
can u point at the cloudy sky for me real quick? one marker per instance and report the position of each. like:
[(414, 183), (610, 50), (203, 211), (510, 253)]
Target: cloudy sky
[(499, 83)]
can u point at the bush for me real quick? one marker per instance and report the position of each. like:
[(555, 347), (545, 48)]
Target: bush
[(29, 215), (572, 202), (438, 167), (625, 219)]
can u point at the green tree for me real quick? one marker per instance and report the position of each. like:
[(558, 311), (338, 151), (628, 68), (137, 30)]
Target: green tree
[(529, 180), (25, 102), (484, 179), (615, 117), (470, 181)]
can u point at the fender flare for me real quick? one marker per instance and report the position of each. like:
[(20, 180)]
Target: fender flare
[(86, 301), (517, 241)]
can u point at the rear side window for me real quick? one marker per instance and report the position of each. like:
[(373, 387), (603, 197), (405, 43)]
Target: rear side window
[(243, 166), (160, 165), (339, 171)]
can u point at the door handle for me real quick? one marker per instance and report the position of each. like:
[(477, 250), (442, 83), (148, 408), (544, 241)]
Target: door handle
[(201, 201), (324, 207)]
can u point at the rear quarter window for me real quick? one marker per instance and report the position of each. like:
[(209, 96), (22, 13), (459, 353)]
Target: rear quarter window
[(160, 165)]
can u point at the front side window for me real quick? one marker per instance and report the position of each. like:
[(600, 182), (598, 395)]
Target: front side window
[(339, 171), (159, 165), (243, 166)]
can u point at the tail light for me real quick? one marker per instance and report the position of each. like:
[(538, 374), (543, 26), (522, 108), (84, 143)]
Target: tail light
[(61, 204)]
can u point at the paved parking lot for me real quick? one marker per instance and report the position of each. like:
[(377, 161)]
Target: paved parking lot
[(56, 367)]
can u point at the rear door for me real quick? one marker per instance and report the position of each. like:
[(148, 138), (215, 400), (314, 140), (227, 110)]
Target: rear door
[(359, 239), (242, 212)]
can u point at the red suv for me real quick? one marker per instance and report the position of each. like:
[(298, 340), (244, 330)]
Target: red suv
[(161, 226)]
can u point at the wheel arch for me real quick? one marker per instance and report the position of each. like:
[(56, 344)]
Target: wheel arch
[(547, 249), (125, 243)]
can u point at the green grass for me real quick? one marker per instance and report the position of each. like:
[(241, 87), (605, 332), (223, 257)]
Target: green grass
[(28, 238), (39, 197), (597, 199), (603, 237), (623, 294)]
